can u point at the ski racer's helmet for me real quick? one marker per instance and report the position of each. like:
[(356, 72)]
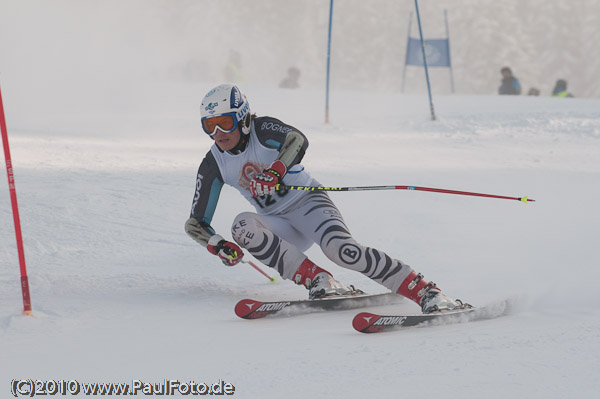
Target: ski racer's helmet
[(225, 107)]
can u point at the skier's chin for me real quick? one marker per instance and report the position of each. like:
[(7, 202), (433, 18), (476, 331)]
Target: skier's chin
[(226, 144)]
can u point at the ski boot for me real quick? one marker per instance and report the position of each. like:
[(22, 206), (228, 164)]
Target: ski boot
[(435, 301), (320, 283), (428, 295)]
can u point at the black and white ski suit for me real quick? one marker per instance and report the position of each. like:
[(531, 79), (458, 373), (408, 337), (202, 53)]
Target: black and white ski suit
[(287, 223)]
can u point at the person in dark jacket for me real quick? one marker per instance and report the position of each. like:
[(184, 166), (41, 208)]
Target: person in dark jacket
[(560, 89), (510, 84)]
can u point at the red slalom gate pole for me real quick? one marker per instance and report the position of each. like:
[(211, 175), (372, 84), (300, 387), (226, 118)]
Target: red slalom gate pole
[(15, 209)]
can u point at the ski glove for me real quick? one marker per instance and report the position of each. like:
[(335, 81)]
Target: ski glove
[(229, 253), (264, 183)]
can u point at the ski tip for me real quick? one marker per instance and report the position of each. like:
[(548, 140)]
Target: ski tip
[(526, 199), (363, 322), (246, 307)]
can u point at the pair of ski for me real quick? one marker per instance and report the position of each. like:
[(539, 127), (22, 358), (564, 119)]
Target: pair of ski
[(366, 322)]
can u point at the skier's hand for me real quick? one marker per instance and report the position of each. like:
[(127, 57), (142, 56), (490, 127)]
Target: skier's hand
[(229, 252), (264, 183)]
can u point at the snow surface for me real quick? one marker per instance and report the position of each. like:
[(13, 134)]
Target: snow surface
[(121, 293)]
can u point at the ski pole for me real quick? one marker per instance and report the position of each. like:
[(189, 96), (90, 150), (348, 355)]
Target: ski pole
[(261, 271), (411, 188)]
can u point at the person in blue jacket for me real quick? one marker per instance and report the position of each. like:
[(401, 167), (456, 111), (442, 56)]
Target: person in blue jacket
[(510, 85)]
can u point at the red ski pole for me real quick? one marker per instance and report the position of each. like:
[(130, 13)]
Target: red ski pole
[(15, 209), (411, 188), (273, 280)]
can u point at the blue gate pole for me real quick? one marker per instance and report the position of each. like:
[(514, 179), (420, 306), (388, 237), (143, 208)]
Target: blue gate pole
[(424, 61), (449, 58), (407, 41), (328, 64)]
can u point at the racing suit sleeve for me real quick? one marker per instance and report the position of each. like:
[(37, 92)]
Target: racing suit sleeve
[(292, 149), (289, 141), (209, 183)]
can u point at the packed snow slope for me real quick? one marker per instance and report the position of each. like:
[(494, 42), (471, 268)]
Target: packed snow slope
[(120, 293)]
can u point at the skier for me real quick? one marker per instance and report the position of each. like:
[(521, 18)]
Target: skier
[(260, 156)]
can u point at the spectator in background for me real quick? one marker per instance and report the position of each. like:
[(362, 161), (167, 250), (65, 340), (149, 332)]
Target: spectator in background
[(291, 80), (560, 89), (533, 92), (510, 84)]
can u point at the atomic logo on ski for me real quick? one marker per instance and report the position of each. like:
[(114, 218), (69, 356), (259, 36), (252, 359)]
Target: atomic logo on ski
[(368, 322), (275, 306), (389, 320), (249, 309)]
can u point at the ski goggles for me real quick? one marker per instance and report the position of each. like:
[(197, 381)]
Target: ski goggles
[(225, 122)]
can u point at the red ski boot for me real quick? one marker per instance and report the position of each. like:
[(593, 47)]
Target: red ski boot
[(427, 295), (319, 282)]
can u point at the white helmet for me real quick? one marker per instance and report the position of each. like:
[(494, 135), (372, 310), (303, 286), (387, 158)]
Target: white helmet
[(224, 107)]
